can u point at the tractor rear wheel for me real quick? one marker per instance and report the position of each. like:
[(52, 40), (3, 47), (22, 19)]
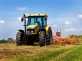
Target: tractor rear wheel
[(42, 38), (49, 37), (19, 38)]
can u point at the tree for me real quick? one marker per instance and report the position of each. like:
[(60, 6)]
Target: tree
[(3, 41), (10, 40)]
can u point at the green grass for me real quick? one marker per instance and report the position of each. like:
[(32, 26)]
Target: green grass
[(75, 55), (45, 55)]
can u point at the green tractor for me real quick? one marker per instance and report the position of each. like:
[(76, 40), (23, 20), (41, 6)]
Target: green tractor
[(35, 30)]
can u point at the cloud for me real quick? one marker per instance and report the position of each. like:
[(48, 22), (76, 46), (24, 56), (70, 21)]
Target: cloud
[(19, 18), (80, 16), (48, 23), (70, 29), (2, 21), (21, 8), (54, 25), (68, 25), (67, 22), (79, 29)]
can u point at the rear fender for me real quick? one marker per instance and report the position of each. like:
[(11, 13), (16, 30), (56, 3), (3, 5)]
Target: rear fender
[(47, 28)]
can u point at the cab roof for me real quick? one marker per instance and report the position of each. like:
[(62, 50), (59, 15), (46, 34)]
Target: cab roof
[(28, 15)]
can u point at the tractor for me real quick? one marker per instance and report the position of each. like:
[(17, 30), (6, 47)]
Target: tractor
[(35, 30)]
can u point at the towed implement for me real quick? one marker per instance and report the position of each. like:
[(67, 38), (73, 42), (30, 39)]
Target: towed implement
[(35, 30)]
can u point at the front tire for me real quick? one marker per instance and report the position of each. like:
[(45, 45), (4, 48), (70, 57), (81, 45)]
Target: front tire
[(42, 38), (19, 38)]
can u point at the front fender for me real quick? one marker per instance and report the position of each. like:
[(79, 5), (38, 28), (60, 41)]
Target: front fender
[(21, 31)]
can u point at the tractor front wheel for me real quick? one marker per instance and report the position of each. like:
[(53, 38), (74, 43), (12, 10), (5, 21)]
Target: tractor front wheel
[(19, 38), (42, 38)]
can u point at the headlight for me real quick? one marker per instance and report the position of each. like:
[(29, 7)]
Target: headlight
[(31, 31), (28, 31), (34, 31)]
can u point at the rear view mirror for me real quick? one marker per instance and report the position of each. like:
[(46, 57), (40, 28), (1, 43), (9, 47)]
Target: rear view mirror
[(21, 19)]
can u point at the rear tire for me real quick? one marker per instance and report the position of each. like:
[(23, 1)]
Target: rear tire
[(19, 38), (49, 37), (42, 38)]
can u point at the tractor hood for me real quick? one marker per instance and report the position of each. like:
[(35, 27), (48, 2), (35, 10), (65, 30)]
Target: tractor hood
[(33, 26)]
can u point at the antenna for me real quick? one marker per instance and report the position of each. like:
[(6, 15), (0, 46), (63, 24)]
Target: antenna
[(46, 9)]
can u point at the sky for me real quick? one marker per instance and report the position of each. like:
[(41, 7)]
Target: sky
[(64, 14)]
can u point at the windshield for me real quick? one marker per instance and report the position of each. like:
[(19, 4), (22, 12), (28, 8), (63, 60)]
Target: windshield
[(35, 20)]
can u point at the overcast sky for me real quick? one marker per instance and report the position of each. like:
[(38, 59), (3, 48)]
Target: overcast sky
[(64, 14)]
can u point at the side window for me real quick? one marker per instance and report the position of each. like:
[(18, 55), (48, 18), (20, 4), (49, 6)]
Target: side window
[(32, 21), (39, 19), (28, 22), (45, 23), (39, 22)]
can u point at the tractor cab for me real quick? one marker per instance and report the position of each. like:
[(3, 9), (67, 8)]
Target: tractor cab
[(39, 19)]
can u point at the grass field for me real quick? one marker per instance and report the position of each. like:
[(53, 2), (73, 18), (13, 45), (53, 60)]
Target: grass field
[(11, 52)]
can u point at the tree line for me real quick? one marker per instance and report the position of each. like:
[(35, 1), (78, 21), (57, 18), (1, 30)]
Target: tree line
[(9, 40), (77, 37), (3, 41)]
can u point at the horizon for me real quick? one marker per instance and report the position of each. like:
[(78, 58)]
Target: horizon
[(65, 14)]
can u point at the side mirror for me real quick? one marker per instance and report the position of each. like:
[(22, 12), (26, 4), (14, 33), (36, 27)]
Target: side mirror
[(21, 19)]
